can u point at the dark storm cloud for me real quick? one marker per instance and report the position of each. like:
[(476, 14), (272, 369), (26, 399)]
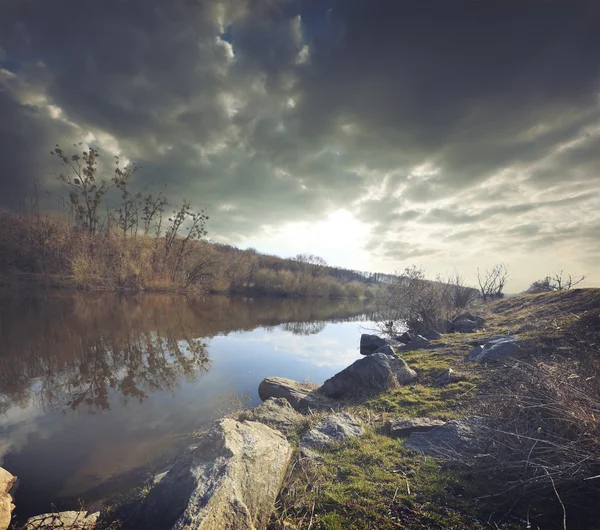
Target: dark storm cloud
[(409, 114)]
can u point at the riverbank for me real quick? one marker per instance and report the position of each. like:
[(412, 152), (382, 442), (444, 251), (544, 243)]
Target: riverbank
[(510, 440), (48, 252), (538, 450)]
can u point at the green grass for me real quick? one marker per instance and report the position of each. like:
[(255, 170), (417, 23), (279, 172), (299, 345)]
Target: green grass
[(374, 482)]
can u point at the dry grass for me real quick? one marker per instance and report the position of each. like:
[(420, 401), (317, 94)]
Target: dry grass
[(544, 439)]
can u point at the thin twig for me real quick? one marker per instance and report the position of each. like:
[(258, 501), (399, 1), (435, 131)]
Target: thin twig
[(559, 499)]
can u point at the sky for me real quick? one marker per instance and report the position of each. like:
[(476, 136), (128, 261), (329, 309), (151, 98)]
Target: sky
[(376, 134)]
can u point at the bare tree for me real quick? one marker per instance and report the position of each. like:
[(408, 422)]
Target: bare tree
[(129, 209), (414, 302), (460, 293), (491, 283), (558, 281), (85, 193), (311, 264)]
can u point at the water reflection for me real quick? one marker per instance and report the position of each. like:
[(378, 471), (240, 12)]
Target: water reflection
[(72, 351), (150, 369), (64, 354)]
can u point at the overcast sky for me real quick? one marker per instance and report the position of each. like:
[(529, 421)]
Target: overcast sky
[(447, 134)]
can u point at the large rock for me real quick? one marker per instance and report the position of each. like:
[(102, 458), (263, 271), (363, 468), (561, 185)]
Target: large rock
[(431, 334), (403, 427), (276, 413), (71, 520), (7, 480), (406, 337), (413, 341), (280, 387), (388, 349), (494, 350), (333, 429), (228, 481), (371, 343), (467, 323), (457, 439), (375, 373), (417, 343)]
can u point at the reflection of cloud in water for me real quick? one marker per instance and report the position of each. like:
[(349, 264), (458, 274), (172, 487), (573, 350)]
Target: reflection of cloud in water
[(327, 348), (138, 364)]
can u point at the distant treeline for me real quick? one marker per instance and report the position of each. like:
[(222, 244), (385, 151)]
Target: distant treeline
[(136, 244), (56, 252)]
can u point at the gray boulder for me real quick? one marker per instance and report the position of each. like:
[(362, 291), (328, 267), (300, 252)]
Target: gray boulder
[(406, 337), (467, 323), (71, 520), (280, 387), (456, 440), (417, 343), (403, 427), (276, 413), (370, 343), (7, 481), (388, 349), (333, 429), (375, 373), (494, 350), (431, 334), (228, 481)]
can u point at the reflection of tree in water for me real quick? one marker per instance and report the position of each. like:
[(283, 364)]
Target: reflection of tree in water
[(77, 351), (304, 328), (74, 359), (148, 363)]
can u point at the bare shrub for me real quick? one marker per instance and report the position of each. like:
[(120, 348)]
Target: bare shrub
[(461, 294), (557, 281), (545, 436), (492, 282), (414, 302)]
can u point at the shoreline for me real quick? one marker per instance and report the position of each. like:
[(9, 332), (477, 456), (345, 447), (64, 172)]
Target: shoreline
[(409, 449)]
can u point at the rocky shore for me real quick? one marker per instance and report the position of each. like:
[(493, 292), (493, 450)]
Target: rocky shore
[(232, 476)]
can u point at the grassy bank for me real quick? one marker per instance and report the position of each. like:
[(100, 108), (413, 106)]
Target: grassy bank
[(51, 251), (544, 452)]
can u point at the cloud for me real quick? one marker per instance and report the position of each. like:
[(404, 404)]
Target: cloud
[(411, 116)]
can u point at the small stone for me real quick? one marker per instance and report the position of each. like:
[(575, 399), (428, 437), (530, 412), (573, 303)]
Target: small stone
[(403, 427)]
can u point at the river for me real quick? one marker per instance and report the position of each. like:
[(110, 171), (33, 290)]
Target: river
[(99, 391)]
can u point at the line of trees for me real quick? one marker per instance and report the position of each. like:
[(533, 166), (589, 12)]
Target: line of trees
[(112, 236)]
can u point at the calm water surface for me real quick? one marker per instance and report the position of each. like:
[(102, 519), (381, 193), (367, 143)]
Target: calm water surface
[(98, 390)]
